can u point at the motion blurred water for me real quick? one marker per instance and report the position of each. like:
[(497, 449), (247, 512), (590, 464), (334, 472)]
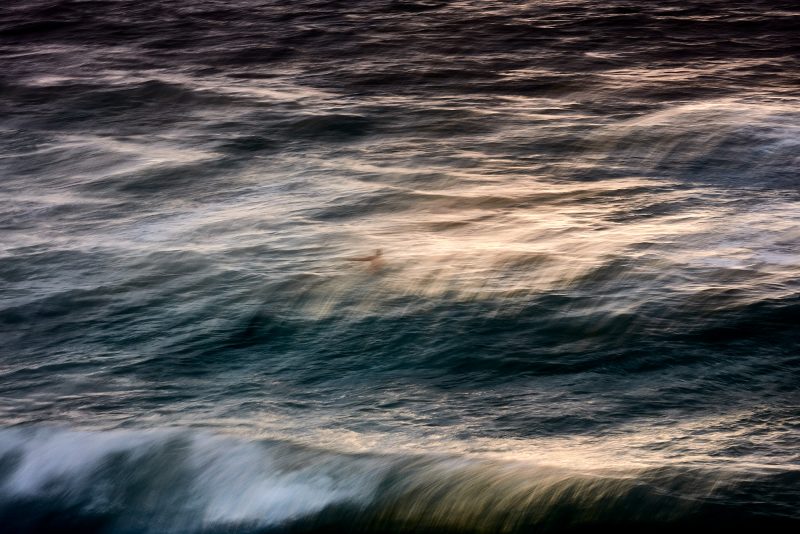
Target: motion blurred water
[(586, 314)]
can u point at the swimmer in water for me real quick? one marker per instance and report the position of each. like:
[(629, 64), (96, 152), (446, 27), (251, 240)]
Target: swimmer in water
[(375, 260)]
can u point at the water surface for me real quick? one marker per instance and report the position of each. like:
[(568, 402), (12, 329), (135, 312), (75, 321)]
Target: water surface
[(586, 311)]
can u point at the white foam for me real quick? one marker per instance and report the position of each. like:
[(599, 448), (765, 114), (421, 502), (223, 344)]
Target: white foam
[(221, 482)]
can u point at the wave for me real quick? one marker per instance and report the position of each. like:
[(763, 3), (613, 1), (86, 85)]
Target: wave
[(725, 142), (180, 481)]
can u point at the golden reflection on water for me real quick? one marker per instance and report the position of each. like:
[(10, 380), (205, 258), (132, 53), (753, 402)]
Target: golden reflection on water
[(557, 244), (494, 228), (690, 443)]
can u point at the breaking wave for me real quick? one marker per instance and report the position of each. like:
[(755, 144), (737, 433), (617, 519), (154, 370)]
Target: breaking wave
[(179, 481)]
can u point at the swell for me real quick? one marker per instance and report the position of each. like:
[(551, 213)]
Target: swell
[(588, 218), (369, 326), (369, 46), (176, 481), (736, 143)]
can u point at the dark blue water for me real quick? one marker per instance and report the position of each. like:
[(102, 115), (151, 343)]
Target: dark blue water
[(584, 313)]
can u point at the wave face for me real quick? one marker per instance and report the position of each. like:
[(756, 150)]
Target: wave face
[(171, 481), (584, 313)]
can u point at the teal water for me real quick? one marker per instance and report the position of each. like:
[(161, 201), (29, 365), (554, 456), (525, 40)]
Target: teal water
[(584, 312)]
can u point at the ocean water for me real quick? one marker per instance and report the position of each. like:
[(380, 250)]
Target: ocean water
[(585, 310)]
